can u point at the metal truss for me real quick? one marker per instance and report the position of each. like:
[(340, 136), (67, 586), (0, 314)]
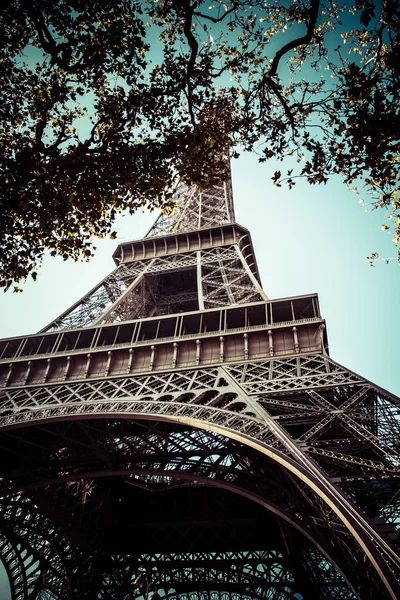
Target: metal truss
[(271, 376), (36, 555), (175, 423), (226, 281), (89, 309), (216, 277), (195, 456), (334, 431), (258, 574), (196, 210), (14, 565), (133, 290)]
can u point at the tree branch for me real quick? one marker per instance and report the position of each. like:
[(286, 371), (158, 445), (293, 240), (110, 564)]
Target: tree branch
[(267, 78), (194, 47), (219, 19), (301, 41)]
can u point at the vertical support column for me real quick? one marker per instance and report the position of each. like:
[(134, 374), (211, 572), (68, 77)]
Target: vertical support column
[(321, 337), (200, 205), (108, 365), (28, 370), (152, 357), (46, 373), (246, 346), (199, 281), (221, 349), (291, 305), (316, 312), (198, 351), (229, 209), (296, 340), (89, 358), (175, 355), (270, 342), (130, 359), (67, 367)]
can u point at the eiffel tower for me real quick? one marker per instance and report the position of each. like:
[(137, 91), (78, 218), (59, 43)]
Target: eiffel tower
[(176, 434)]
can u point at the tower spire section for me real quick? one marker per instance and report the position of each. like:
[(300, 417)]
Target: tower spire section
[(177, 423), (195, 258), (197, 209)]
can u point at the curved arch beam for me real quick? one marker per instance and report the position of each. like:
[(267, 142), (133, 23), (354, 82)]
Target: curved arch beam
[(252, 432), (14, 565), (264, 502)]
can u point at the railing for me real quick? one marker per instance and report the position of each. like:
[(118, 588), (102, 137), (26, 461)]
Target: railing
[(217, 321)]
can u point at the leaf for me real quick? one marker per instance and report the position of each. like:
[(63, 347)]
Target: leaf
[(366, 16), (276, 176)]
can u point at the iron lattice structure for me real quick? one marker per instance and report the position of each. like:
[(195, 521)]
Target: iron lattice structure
[(175, 422)]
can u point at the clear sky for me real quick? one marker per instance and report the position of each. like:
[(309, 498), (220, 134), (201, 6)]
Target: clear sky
[(311, 239)]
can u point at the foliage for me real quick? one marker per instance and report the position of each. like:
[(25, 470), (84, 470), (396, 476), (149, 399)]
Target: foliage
[(105, 104)]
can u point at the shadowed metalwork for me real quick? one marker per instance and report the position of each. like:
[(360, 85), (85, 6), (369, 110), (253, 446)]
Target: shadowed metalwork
[(176, 423)]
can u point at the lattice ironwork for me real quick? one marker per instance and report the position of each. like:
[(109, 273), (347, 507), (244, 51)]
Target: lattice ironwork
[(196, 210), (225, 281), (259, 574), (219, 399), (35, 553), (175, 423), (90, 308), (197, 280), (182, 456)]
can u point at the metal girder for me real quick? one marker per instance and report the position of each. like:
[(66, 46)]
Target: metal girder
[(192, 456), (175, 423), (232, 406), (136, 290), (98, 300), (256, 574), (196, 210), (42, 556), (126, 293)]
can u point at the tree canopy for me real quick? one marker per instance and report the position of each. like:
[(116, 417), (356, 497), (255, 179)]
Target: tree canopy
[(105, 104)]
